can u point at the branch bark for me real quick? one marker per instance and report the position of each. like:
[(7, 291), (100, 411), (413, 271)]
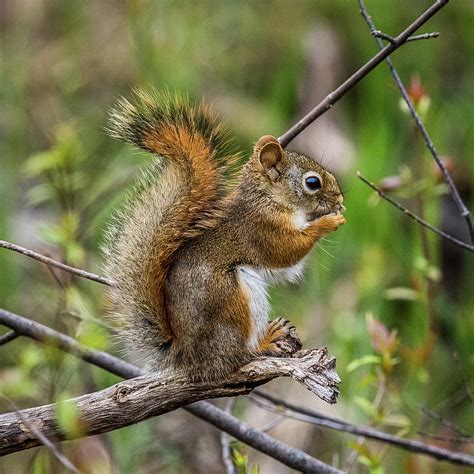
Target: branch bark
[(138, 399), (240, 430)]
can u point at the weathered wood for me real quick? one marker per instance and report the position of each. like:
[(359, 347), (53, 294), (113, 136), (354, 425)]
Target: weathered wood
[(143, 397)]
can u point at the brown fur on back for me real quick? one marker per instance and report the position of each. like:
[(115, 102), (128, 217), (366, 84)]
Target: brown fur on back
[(177, 199)]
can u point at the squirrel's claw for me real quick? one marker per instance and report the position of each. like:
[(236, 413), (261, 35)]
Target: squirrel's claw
[(281, 339)]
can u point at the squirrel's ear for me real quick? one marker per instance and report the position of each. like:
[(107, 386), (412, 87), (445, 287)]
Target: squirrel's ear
[(269, 152)]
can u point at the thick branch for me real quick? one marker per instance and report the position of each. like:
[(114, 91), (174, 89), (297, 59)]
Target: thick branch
[(240, 430), (335, 95), (464, 211), (138, 399)]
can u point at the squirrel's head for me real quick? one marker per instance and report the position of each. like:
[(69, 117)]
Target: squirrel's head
[(294, 180)]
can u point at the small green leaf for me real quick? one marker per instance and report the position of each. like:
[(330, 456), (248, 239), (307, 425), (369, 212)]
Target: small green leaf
[(68, 418), (401, 293), (365, 360), (40, 162), (367, 407), (400, 421), (92, 335)]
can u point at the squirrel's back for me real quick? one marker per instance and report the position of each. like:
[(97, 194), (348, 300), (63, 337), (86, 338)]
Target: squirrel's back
[(176, 199)]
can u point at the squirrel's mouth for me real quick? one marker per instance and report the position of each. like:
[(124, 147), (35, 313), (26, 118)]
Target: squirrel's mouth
[(325, 210)]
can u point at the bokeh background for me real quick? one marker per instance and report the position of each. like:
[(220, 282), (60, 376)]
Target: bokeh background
[(393, 303)]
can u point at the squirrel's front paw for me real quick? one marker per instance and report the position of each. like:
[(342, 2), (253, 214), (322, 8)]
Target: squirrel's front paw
[(329, 222), (281, 339)]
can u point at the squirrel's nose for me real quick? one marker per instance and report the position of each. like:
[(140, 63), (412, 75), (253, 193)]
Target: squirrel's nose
[(339, 201)]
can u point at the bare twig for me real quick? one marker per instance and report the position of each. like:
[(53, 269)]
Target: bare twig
[(349, 83), (450, 425), (391, 39), (418, 219), (459, 365), (225, 442), (29, 425), (464, 211), (9, 336), (450, 439), (55, 263), (307, 415), (240, 430)]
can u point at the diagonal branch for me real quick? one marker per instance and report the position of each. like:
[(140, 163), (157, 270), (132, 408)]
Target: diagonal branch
[(464, 211), (416, 218), (143, 397), (240, 430), (54, 263), (8, 337), (391, 39), (42, 439), (220, 418), (349, 83), (307, 415)]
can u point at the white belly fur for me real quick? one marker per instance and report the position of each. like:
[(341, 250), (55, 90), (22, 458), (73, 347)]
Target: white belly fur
[(255, 282)]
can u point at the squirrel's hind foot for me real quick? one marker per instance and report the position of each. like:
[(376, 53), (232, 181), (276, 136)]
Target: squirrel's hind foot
[(281, 339)]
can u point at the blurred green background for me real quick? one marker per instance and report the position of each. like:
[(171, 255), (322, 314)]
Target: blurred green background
[(392, 302)]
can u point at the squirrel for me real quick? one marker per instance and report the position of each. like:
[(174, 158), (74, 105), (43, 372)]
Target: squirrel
[(197, 243)]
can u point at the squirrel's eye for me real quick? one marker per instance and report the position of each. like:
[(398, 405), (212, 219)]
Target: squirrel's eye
[(312, 183)]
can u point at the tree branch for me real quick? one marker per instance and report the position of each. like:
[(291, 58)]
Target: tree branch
[(416, 218), (141, 398), (391, 39), (42, 439), (7, 337), (311, 416), (464, 211), (349, 83), (54, 263), (240, 430)]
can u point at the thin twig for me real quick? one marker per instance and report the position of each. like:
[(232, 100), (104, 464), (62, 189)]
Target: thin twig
[(459, 365), (379, 396), (307, 415), (414, 216), (464, 211), (9, 336), (225, 441), (240, 430), (41, 437), (391, 39), (54, 263), (451, 439), (349, 83), (450, 425)]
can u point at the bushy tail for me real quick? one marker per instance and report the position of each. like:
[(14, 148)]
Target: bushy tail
[(174, 201)]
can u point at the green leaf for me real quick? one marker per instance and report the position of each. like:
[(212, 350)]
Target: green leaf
[(92, 335), (68, 418), (401, 293), (365, 360), (40, 162), (367, 407), (398, 420)]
